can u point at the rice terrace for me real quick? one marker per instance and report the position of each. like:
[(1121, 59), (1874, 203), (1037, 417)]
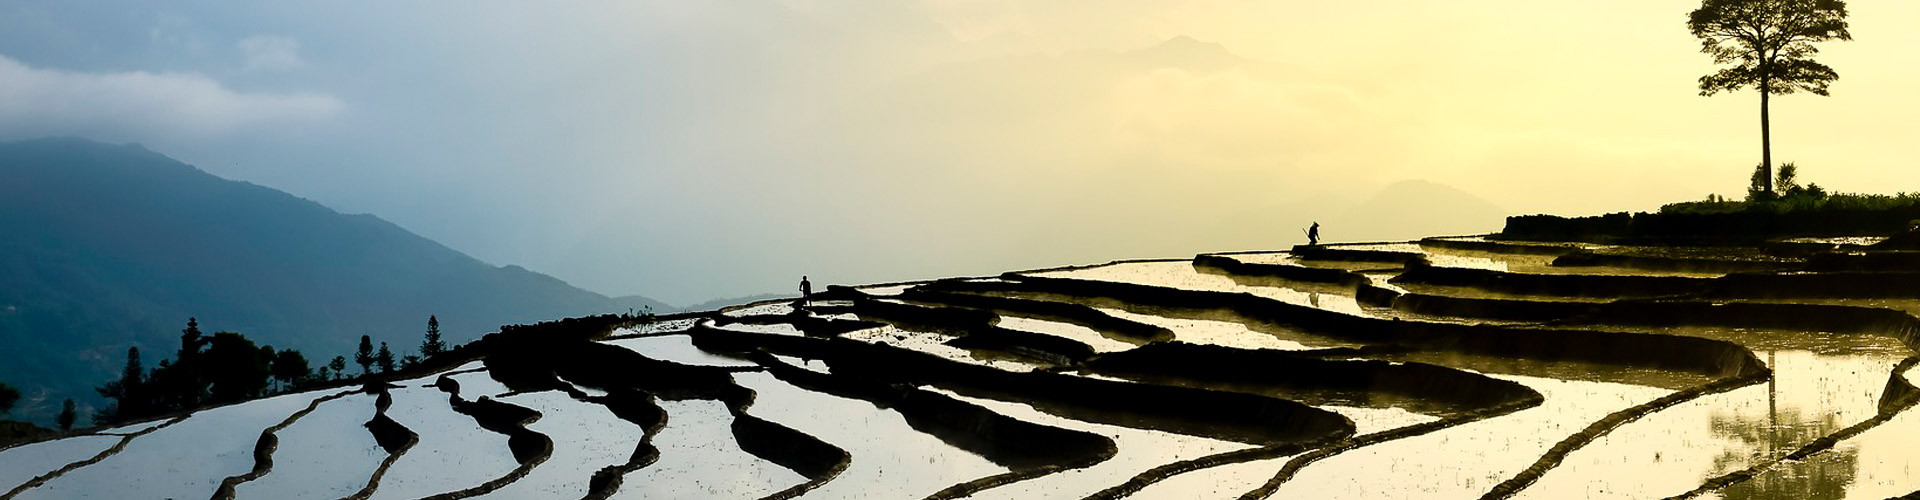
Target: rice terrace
[(1452, 367), (952, 181)]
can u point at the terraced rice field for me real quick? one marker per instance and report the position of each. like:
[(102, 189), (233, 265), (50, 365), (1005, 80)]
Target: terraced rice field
[(1443, 368)]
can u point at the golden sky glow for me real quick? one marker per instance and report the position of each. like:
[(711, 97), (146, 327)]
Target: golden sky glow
[(694, 149)]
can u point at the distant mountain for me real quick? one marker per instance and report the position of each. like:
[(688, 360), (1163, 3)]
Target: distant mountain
[(719, 303), (104, 247)]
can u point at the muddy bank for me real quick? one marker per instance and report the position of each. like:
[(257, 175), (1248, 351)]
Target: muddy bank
[(268, 443), (1656, 263), (1819, 285), (1811, 317), (1672, 352), (1895, 261), (974, 329), (1489, 246), (1286, 272), (1419, 386), (810, 324), (1220, 415), (639, 408), (1016, 444), (540, 366), (812, 458), (1065, 312), (1335, 252), (1565, 285)]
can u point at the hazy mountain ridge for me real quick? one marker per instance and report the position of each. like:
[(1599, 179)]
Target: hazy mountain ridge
[(115, 246)]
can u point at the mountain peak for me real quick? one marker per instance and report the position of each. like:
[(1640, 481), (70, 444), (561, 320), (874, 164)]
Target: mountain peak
[(1184, 51)]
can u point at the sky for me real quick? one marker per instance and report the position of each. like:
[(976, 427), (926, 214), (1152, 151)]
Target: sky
[(693, 150)]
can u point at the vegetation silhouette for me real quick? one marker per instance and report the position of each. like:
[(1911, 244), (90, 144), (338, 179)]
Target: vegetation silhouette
[(1770, 45), (225, 367), (384, 359), (8, 396), (67, 415), (364, 356), (432, 345)]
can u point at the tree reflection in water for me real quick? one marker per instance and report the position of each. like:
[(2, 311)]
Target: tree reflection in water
[(1766, 437)]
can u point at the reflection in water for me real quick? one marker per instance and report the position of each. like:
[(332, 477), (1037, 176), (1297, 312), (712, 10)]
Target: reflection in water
[(1780, 432)]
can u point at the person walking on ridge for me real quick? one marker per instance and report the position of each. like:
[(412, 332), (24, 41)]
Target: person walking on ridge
[(1313, 234), (806, 292)]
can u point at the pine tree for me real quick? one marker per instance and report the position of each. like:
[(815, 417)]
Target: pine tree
[(432, 346), (129, 393), (384, 358), (8, 396), (339, 365), (364, 357), (66, 415)]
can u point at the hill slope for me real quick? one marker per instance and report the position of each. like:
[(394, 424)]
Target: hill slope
[(108, 246)]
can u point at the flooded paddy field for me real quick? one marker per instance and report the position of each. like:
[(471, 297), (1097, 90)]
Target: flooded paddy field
[(1441, 368)]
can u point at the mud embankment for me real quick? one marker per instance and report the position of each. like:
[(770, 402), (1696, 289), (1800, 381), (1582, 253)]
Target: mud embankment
[(1497, 246), (1661, 263), (629, 377), (393, 437), (1789, 316), (1335, 252), (1354, 381), (636, 407), (1563, 285), (268, 443), (1079, 314), (110, 451), (1670, 352), (1879, 261), (1009, 442), (1836, 284), (810, 324), (1216, 414), (1237, 267), (529, 448), (974, 329)]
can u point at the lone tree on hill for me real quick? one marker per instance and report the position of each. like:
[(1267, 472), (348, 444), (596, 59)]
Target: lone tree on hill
[(364, 356), (1770, 44)]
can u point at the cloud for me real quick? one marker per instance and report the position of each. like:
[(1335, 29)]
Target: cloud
[(268, 53), (139, 104)]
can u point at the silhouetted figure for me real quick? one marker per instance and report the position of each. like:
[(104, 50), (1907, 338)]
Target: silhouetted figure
[(1313, 234), (806, 292)]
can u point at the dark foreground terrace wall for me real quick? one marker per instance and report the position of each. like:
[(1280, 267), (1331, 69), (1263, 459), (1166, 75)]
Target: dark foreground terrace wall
[(1689, 354), (1221, 415), (1458, 388)]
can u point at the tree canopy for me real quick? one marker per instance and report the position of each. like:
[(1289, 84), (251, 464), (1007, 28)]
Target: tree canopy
[(1769, 44)]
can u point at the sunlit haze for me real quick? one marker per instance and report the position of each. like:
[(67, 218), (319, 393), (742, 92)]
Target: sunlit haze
[(688, 150)]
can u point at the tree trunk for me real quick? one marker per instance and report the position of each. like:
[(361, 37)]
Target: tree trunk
[(1766, 138)]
